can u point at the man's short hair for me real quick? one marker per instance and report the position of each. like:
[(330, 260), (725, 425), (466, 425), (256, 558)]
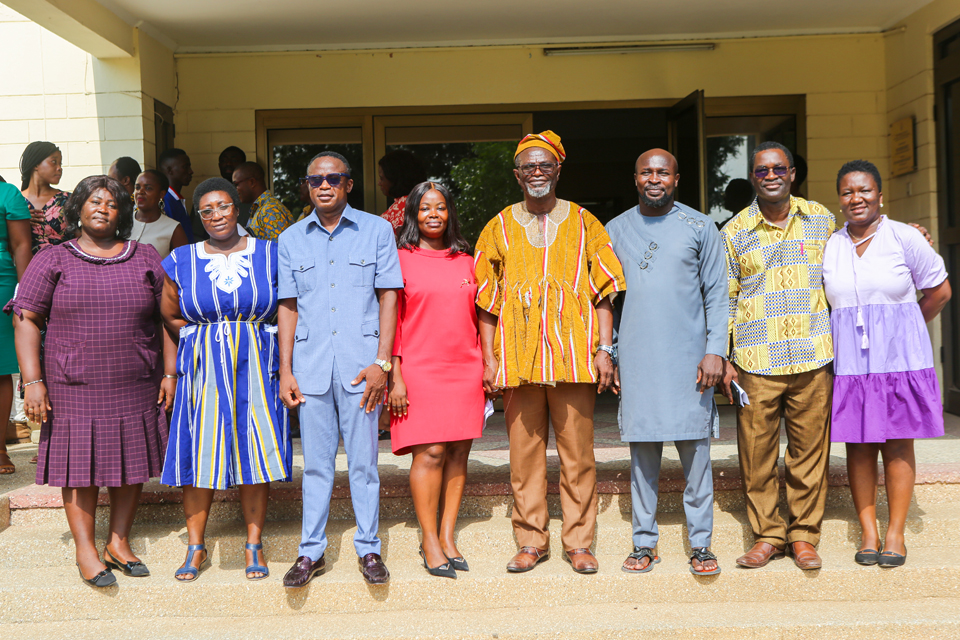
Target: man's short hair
[(767, 146), (334, 155), (127, 167), (234, 150), (170, 154), (256, 171)]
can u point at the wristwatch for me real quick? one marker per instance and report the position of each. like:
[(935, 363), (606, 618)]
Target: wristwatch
[(383, 364), (611, 351)]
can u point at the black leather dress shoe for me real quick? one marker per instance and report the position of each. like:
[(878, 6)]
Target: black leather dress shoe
[(373, 569), (303, 571)]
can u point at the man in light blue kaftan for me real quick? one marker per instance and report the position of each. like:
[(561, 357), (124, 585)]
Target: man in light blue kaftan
[(671, 340)]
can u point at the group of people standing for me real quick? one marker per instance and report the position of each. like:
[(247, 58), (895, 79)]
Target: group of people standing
[(187, 365)]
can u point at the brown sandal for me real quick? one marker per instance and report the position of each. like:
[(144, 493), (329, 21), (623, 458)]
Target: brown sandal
[(6, 464)]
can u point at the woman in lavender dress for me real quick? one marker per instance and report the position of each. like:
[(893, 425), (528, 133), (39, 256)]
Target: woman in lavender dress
[(885, 389), (100, 392)]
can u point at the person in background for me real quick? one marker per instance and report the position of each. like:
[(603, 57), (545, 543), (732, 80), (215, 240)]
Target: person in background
[(673, 322), (885, 387), (398, 172), (304, 192), (436, 354), (268, 216), (41, 167), (15, 254), (230, 159), (546, 276), (228, 427), (738, 195), (125, 171), (175, 164), (797, 184), (150, 226), (103, 388)]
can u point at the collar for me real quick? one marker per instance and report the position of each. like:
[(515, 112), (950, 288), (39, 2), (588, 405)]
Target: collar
[(844, 230), (798, 206), (261, 198), (349, 216), (175, 194)]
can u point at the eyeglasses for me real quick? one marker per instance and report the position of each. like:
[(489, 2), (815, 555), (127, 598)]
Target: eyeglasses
[(332, 179), (546, 168), (206, 214), (779, 171)]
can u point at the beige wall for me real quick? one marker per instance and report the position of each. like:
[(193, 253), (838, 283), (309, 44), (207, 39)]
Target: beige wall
[(94, 110), (846, 111)]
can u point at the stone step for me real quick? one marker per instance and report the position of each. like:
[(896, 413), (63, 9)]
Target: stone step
[(57, 594), (162, 546), (879, 620), (36, 505)]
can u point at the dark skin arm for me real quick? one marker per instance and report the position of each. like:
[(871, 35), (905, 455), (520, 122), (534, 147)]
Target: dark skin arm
[(934, 300), (488, 332), (602, 360), (709, 372), (287, 315), (18, 238), (375, 376), (36, 402), (397, 399), (172, 323), (178, 239)]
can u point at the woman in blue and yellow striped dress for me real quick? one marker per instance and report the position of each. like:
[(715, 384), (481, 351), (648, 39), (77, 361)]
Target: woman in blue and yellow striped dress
[(229, 427)]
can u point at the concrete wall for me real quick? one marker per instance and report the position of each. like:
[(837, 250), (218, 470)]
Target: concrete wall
[(94, 110)]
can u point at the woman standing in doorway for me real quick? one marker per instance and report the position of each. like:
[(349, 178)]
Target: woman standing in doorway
[(436, 387), (150, 226), (41, 167)]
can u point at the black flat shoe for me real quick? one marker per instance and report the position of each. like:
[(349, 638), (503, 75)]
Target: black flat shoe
[(134, 569), (103, 579), (445, 570), (867, 557), (459, 564), (889, 559)]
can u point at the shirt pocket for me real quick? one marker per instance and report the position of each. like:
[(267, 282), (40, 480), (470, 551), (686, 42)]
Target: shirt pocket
[(69, 365), (814, 250), (304, 274), (370, 328), (363, 267)]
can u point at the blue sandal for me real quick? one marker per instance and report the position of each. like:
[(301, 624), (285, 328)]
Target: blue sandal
[(188, 569), (256, 567)]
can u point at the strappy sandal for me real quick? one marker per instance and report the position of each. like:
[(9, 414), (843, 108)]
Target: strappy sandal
[(701, 555), (188, 569), (255, 566), (6, 464), (638, 554)]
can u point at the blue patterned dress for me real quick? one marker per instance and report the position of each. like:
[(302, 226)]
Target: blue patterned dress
[(229, 425)]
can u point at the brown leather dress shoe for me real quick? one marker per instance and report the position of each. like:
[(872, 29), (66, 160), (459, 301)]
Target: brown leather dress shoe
[(303, 571), (373, 569), (805, 555), (527, 558), (582, 560), (759, 555)]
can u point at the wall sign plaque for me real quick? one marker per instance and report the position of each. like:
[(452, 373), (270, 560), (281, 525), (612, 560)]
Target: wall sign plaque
[(903, 147)]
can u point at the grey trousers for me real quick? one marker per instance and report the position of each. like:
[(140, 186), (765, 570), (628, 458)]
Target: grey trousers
[(697, 497)]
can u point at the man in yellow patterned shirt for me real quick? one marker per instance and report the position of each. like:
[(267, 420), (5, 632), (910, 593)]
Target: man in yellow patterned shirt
[(782, 349), (546, 275), (268, 216)]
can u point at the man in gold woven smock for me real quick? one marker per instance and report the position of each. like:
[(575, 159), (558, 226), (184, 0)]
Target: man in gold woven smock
[(546, 276)]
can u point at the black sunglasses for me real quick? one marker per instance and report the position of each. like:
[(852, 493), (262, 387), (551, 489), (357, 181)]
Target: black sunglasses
[(332, 179)]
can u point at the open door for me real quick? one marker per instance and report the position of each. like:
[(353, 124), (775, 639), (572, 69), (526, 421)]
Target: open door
[(688, 142)]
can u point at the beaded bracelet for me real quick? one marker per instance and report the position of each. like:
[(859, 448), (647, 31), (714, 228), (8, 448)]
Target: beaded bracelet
[(27, 384)]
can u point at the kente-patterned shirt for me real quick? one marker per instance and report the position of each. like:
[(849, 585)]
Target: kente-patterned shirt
[(268, 217), (544, 284), (779, 319)]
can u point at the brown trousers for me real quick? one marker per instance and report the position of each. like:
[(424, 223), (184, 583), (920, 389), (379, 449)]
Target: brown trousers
[(569, 407), (803, 400)]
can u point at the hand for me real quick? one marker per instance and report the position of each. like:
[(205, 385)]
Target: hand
[(376, 382), (36, 403), (290, 391), (923, 230), (729, 375), (606, 372), (709, 372), (37, 216), (490, 388), (616, 380), (168, 391), (397, 399)]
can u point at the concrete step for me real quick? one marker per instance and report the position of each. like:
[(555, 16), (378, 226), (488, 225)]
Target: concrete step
[(880, 620), (37, 505), (163, 545), (57, 594)]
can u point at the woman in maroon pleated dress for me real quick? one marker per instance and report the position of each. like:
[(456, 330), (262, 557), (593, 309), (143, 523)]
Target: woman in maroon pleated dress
[(436, 389), (101, 390)]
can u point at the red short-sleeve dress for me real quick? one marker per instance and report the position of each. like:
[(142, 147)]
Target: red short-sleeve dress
[(439, 346)]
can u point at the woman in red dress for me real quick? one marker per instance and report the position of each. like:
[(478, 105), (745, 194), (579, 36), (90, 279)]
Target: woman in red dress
[(436, 387)]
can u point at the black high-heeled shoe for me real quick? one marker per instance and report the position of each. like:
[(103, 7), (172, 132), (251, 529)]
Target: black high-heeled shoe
[(103, 579), (460, 563), (445, 570), (134, 569)]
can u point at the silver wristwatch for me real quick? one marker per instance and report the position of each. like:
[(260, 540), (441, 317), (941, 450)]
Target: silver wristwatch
[(383, 364), (611, 351)]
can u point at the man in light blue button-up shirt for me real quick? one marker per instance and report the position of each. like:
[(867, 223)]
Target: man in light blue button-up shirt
[(338, 279)]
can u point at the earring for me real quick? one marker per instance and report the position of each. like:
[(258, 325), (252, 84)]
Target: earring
[(79, 223), (881, 205)]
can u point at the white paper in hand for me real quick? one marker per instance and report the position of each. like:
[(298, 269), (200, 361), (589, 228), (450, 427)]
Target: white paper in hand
[(739, 393), (487, 412)]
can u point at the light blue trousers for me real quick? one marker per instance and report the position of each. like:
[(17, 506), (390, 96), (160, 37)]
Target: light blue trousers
[(323, 419), (645, 460)]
